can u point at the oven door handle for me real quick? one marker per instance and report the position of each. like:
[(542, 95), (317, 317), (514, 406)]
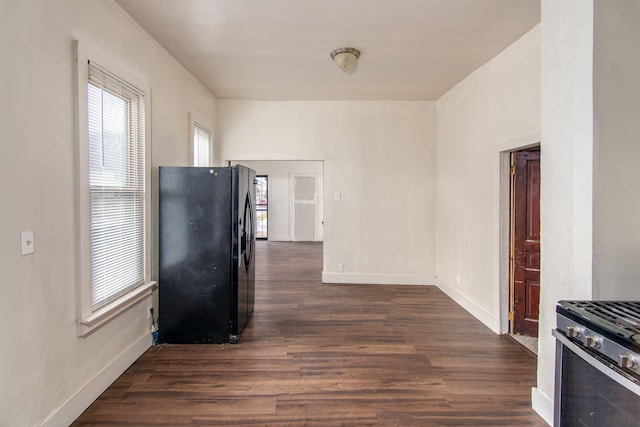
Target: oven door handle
[(606, 369)]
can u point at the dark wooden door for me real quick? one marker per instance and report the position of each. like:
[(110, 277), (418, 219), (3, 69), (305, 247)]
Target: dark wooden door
[(525, 240)]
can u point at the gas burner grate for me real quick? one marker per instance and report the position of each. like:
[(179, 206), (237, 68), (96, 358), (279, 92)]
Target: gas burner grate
[(619, 314)]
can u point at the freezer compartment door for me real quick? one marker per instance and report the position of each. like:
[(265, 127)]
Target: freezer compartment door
[(194, 255)]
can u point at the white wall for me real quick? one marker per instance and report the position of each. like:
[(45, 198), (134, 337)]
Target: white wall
[(279, 193), (43, 363), (495, 109), (566, 166), (616, 151), (378, 154)]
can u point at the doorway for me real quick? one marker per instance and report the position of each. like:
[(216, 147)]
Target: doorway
[(279, 195), (304, 207), (524, 242)]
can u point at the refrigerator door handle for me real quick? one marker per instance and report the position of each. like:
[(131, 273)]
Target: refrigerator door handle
[(247, 232)]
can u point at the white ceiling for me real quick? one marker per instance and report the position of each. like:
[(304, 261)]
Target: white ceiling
[(279, 49)]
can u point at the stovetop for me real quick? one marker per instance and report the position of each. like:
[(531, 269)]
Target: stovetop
[(620, 318)]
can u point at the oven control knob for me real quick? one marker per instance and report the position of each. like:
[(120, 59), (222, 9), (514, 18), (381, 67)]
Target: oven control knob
[(591, 341), (573, 332), (626, 361)]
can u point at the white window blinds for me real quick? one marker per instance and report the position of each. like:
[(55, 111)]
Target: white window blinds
[(116, 185), (202, 146)]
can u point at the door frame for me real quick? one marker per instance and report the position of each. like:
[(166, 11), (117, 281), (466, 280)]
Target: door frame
[(505, 223)]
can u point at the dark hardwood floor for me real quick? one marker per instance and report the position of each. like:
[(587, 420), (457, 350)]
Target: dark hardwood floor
[(331, 355)]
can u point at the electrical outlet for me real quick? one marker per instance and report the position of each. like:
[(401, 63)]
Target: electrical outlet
[(27, 245), (341, 267)]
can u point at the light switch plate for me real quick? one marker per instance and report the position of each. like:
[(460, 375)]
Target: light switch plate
[(28, 245)]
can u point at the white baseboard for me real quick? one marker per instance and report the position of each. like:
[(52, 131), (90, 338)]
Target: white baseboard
[(78, 403), (476, 311), (542, 404), (285, 238), (282, 238), (377, 279)]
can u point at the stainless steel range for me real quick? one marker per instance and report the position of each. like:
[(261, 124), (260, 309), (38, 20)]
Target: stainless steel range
[(597, 364)]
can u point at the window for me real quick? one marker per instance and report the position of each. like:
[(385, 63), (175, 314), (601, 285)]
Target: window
[(262, 206), (201, 142), (116, 185), (113, 191)]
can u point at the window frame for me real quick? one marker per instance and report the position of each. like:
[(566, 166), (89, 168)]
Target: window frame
[(197, 120), (266, 207), (88, 318)]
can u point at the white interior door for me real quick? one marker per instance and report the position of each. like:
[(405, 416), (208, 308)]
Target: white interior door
[(304, 209)]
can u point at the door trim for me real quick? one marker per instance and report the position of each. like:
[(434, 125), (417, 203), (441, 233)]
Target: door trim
[(505, 239)]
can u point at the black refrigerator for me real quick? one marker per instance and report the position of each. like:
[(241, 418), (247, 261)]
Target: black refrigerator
[(206, 253)]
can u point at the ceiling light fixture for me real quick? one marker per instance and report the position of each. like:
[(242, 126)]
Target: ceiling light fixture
[(345, 57)]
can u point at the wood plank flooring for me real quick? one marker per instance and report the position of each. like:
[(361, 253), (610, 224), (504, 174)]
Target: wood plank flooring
[(323, 355)]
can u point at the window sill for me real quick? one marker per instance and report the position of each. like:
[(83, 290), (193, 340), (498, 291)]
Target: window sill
[(99, 317)]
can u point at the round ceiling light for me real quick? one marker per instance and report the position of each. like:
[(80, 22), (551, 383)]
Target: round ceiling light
[(345, 57)]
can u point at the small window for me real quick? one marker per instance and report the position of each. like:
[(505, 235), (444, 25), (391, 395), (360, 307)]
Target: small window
[(202, 144), (262, 206), (113, 192)]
